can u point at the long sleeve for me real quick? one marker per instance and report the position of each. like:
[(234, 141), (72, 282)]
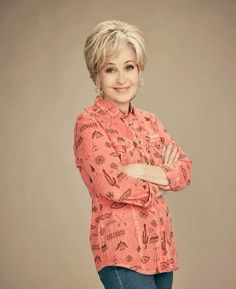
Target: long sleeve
[(100, 167), (178, 173)]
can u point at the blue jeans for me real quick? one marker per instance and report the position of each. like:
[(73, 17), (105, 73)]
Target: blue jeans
[(115, 277)]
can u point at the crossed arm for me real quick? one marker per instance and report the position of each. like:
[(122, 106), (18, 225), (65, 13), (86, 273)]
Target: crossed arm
[(137, 184), (152, 173)]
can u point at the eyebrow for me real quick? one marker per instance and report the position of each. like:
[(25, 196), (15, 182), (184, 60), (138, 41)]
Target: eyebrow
[(110, 63)]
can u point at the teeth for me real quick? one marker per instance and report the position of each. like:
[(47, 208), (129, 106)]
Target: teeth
[(121, 89)]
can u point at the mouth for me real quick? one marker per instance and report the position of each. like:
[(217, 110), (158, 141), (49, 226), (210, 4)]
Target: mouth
[(121, 89)]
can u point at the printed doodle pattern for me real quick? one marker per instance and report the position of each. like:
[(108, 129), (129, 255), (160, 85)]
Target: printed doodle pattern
[(129, 226)]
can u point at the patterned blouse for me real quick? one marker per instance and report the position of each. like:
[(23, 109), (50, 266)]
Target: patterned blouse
[(130, 227)]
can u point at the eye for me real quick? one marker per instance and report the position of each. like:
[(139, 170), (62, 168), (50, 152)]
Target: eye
[(130, 67), (109, 70)]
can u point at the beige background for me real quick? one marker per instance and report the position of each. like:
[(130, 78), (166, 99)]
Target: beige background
[(189, 84)]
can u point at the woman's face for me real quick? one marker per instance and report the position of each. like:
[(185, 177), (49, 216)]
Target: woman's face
[(119, 78)]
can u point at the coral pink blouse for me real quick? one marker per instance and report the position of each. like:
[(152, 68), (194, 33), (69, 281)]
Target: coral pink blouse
[(129, 226)]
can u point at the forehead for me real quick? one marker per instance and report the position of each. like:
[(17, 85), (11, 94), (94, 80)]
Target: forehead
[(122, 55)]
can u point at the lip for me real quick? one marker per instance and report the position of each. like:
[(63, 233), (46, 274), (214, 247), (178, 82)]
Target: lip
[(121, 89)]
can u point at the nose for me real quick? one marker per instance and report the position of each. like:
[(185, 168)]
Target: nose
[(120, 77)]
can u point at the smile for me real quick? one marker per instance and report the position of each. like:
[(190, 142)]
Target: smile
[(121, 89)]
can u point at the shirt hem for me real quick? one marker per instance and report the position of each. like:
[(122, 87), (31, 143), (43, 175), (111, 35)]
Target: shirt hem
[(138, 270)]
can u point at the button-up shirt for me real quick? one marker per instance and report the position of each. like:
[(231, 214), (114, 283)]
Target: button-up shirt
[(130, 226)]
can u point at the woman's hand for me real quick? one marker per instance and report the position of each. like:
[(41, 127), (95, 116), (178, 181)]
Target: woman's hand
[(155, 173), (137, 171), (170, 156)]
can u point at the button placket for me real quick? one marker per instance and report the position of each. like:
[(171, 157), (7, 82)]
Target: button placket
[(136, 138)]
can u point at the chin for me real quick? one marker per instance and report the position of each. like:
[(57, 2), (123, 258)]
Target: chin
[(124, 99), (126, 96)]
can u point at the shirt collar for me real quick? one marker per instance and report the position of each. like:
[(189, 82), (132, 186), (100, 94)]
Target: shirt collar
[(113, 110)]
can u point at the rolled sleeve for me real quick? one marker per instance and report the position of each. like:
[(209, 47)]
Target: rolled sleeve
[(178, 173)]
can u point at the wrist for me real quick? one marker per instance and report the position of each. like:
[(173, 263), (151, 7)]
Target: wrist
[(140, 169)]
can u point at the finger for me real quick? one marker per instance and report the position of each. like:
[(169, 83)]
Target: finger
[(176, 157), (167, 152), (163, 154), (172, 155)]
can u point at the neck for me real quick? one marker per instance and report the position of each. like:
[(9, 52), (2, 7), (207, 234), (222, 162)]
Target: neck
[(124, 107)]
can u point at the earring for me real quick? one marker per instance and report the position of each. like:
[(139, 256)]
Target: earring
[(99, 91)]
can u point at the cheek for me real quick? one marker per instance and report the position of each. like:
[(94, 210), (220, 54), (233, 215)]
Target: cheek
[(135, 81), (135, 78), (106, 81)]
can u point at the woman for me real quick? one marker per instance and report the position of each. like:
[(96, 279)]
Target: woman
[(127, 159)]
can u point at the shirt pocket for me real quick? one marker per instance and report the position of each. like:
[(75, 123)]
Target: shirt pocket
[(125, 148), (154, 145)]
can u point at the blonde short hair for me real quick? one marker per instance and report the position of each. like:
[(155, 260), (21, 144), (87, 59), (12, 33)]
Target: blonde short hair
[(106, 38)]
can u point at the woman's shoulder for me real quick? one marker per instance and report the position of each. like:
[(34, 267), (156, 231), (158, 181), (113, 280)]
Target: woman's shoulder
[(148, 115), (87, 114)]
